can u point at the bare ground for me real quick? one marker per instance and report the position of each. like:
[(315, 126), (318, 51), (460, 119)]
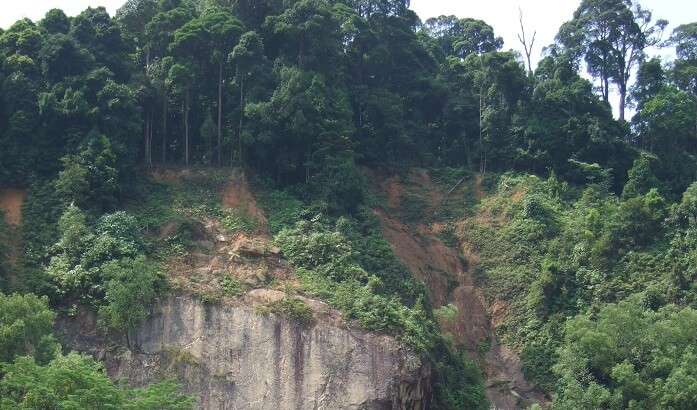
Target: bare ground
[(11, 200), (447, 274)]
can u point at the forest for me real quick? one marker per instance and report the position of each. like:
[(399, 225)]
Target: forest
[(598, 262)]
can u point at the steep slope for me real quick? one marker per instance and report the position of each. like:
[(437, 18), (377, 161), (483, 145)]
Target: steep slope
[(218, 334), (447, 274), (231, 357), (11, 200)]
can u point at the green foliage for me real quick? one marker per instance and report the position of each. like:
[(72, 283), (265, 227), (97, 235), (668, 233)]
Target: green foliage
[(628, 356), (282, 208), (26, 325), (237, 221), (76, 381), (458, 383), (4, 250), (130, 290), (232, 286), (292, 308), (82, 250), (550, 252), (331, 269), (306, 92), (71, 381), (446, 313), (90, 179), (163, 395), (640, 179)]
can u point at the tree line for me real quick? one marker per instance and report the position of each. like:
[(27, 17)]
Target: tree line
[(304, 90)]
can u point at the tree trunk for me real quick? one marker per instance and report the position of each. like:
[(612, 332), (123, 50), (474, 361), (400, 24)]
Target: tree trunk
[(481, 132), (145, 136), (606, 89), (220, 111), (150, 127), (164, 129), (186, 129), (623, 99), (239, 129)]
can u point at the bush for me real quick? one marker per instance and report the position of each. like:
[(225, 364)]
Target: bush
[(282, 209), (4, 249), (329, 268), (629, 357), (130, 290), (294, 309), (75, 381), (232, 286), (235, 221), (26, 325)]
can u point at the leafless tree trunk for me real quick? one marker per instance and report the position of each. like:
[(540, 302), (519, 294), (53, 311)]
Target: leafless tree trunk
[(523, 40)]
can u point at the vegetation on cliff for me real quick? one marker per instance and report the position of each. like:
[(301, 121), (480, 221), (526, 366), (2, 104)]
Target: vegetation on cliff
[(582, 225)]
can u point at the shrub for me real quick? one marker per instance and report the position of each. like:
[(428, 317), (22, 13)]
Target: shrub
[(26, 325), (77, 381), (130, 290), (232, 286), (235, 220), (294, 309)]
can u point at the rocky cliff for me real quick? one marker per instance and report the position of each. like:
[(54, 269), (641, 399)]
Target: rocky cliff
[(232, 357)]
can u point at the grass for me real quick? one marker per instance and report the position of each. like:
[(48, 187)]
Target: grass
[(232, 286), (235, 220), (291, 308)]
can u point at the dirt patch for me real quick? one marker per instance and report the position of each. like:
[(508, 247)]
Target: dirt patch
[(478, 191), (518, 196), (11, 200), (236, 195), (252, 261), (394, 191), (170, 175), (447, 273), (499, 310), (425, 258)]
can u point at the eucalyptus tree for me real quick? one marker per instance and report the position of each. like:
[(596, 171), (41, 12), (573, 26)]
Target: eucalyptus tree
[(247, 55), (611, 36), (684, 71), (223, 31)]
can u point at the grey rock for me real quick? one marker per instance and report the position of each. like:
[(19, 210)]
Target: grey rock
[(231, 357)]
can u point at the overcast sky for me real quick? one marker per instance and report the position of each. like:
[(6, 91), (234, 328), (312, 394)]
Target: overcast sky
[(543, 16)]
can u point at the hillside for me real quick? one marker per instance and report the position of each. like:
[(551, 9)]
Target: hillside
[(334, 204)]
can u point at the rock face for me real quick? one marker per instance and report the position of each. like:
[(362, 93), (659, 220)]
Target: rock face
[(234, 358)]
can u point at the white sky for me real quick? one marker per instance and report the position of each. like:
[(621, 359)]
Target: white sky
[(543, 16)]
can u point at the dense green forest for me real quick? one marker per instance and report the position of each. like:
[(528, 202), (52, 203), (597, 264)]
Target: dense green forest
[(598, 262)]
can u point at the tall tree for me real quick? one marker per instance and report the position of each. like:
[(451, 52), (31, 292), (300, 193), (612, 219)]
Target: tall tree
[(462, 37), (611, 36), (180, 78), (684, 71), (246, 55), (224, 31)]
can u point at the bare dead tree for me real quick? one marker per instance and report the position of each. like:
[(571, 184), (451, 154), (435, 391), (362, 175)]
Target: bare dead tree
[(523, 40)]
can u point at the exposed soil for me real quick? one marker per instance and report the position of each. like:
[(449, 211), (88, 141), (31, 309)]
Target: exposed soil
[(237, 195), (250, 259), (11, 200), (447, 274)]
